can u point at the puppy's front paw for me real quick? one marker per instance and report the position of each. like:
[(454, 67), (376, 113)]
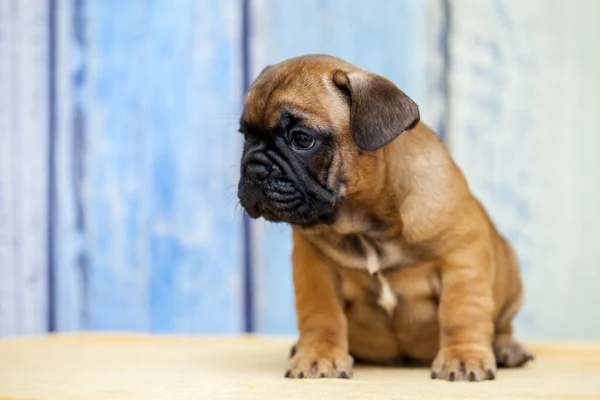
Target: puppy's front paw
[(310, 362), (464, 363)]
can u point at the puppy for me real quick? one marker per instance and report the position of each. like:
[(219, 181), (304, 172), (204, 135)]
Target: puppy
[(393, 256)]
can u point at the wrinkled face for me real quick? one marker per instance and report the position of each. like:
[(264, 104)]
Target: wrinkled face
[(284, 172), (289, 150), (303, 120)]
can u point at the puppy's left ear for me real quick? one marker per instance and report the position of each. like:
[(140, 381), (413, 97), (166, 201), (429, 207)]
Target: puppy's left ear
[(379, 110)]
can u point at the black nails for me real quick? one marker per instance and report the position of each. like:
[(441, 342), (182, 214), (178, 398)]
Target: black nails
[(322, 375), (288, 374), (301, 375), (471, 376), (490, 375), (433, 375), (344, 375), (452, 376)]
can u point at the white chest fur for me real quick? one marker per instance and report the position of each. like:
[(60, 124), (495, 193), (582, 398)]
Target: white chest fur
[(387, 298)]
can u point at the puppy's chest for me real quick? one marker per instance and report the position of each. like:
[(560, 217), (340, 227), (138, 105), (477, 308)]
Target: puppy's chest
[(374, 253), (366, 252)]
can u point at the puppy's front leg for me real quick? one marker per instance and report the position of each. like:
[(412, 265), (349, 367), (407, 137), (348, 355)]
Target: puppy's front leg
[(322, 349), (465, 317)]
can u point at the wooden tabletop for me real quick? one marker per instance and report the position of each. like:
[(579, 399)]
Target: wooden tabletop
[(113, 367)]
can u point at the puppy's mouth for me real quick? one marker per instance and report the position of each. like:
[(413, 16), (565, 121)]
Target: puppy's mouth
[(281, 201), (282, 198), (290, 207)]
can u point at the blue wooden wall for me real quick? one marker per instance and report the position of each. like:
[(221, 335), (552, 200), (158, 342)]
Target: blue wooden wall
[(147, 236), (119, 153)]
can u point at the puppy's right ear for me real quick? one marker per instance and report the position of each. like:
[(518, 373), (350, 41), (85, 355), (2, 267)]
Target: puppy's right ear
[(379, 111)]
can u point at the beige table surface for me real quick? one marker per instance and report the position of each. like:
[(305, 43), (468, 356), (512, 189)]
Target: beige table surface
[(150, 367)]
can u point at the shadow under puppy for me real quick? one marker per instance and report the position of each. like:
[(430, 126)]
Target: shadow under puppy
[(393, 256)]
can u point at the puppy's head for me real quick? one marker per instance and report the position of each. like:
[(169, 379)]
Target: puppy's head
[(309, 124)]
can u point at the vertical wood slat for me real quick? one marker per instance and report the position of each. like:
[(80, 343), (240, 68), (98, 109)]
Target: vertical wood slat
[(24, 56), (399, 40), (70, 257), (152, 117), (525, 128), (8, 320)]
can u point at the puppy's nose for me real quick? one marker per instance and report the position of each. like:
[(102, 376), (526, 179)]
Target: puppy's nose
[(256, 172)]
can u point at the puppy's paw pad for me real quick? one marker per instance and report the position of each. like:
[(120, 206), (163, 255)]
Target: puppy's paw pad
[(307, 363), (510, 354), (464, 363)]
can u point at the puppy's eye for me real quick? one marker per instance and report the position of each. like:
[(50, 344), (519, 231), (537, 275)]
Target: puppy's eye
[(302, 141)]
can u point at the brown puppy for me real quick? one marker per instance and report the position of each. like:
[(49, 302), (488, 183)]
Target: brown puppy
[(393, 256)]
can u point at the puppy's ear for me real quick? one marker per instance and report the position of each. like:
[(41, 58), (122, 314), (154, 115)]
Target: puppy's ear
[(379, 111)]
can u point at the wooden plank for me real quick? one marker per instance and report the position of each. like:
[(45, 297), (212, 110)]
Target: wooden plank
[(141, 367), (70, 254), (401, 40), (24, 174), (159, 101), (31, 169), (524, 127), (8, 317)]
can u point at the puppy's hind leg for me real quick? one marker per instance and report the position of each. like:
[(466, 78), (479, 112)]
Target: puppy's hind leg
[(509, 353)]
